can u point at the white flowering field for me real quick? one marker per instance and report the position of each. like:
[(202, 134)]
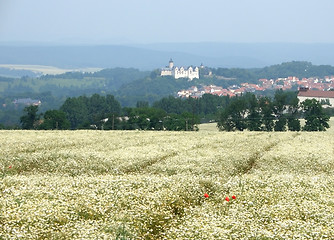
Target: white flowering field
[(166, 185)]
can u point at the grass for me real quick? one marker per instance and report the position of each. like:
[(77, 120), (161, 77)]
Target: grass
[(151, 185), (37, 84), (46, 69)]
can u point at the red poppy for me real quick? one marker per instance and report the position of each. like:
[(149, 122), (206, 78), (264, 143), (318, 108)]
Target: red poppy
[(234, 197), (206, 195), (227, 199), (10, 167)]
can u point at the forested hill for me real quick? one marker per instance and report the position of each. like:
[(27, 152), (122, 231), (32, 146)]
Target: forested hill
[(298, 69), (129, 85), (153, 87), (114, 77)]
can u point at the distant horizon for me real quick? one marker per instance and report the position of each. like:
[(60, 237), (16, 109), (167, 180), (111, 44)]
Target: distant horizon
[(127, 22), (80, 44), (153, 56)]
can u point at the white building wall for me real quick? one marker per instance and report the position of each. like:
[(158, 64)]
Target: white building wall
[(331, 100), (180, 72), (193, 73), (165, 72)]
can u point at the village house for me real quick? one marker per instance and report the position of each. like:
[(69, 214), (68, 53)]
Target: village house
[(312, 87), (321, 96), (27, 101)]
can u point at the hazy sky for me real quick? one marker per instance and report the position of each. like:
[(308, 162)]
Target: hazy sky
[(150, 21)]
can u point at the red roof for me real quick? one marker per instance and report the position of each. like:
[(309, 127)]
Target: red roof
[(315, 93)]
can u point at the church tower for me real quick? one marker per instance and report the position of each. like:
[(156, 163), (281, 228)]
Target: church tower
[(171, 64)]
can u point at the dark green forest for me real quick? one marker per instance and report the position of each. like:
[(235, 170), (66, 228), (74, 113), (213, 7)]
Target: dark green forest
[(248, 111), (300, 69), (281, 113), (130, 86)]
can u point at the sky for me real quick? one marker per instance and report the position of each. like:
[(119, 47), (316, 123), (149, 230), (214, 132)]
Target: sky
[(157, 21)]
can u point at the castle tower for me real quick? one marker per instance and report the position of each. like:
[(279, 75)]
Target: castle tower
[(171, 64)]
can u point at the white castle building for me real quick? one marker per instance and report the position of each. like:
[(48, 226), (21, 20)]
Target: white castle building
[(181, 72)]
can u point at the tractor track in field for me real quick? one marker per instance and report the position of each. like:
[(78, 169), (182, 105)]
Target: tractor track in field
[(141, 166), (253, 159)]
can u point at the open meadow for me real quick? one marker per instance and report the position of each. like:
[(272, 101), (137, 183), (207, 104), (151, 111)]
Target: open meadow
[(166, 185), (41, 69)]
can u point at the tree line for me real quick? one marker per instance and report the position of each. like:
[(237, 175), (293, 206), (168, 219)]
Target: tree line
[(105, 113), (280, 113)]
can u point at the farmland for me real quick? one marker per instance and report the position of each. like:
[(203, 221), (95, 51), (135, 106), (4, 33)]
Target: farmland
[(151, 185), (46, 69)]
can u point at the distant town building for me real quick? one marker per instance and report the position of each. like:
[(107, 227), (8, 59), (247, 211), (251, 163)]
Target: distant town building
[(326, 97), (180, 72), (27, 101)]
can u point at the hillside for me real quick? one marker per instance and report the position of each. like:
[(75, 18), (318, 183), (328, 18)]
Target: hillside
[(151, 56), (249, 55), (155, 87), (295, 68), (92, 56), (130, 82), (72, 83), (131, 85), (150, 89)]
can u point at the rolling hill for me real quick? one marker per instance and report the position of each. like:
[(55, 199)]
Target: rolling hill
[(152, 56)]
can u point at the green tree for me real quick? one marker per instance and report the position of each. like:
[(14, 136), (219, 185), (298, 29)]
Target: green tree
[(181, 122), (280, 124), (142, 104), (209, 104), (280, 103), (55, 119), (225, 122), (170, 105), (293, 124), (233, 116), (76, 110), (292, 116), (285, 107), (85, 111), (254, 119), (266, 112), (145, 118), (316, 119), (206, 106), (29, 120)]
